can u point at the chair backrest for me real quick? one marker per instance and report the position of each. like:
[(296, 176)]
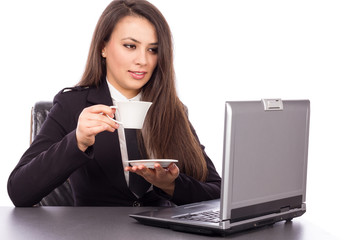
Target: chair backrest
[(62, 195)]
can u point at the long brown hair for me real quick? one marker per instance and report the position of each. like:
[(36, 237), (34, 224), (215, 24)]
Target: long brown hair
[(167, 132)]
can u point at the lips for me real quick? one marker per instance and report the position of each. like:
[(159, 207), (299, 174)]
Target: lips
[(138, 75)]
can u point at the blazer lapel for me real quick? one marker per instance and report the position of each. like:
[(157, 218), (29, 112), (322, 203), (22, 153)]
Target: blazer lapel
[(107, 146)]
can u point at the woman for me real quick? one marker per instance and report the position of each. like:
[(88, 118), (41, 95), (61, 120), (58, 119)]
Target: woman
[(130, 58)]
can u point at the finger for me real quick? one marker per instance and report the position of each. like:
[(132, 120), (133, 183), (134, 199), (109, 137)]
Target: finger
[(94, 130), (157, 166), (101, 119), (160, 171), (102, 109), (133, 168), (88, 120), (173, 169), (143, 171)]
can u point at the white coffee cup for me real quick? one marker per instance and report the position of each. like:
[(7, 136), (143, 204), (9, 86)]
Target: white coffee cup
[(131, 113)]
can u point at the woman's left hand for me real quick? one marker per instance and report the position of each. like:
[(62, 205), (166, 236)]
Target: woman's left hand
[(163, 178)]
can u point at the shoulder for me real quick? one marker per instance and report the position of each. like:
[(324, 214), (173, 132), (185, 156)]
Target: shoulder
[(71, 98), (74, 91), (71, 94), (68, 104)]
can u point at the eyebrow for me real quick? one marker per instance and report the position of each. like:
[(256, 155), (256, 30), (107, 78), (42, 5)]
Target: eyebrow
[(137, 41)]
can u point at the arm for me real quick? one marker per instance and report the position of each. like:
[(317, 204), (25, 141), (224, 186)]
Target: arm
[(63, 145), (49, 161), (182, 189), (178, 187), (189, 190)]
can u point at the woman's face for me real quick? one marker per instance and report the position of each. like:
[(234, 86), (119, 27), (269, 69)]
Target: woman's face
[(131, 55)]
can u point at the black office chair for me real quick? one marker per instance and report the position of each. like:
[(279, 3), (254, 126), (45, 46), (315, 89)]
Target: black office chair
[(62, 195)]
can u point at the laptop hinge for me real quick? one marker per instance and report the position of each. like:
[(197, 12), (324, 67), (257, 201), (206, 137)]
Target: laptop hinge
[(275, 104)]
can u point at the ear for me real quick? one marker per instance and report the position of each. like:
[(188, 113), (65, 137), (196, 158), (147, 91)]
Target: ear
[(103, 52)]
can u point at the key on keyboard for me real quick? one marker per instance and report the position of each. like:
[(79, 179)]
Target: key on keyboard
[(207, 216)]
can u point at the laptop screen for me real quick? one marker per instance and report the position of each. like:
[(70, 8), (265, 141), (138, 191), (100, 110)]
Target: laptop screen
[(265, 158)]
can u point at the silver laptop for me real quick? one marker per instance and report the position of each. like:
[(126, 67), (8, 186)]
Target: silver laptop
[(263, 173)]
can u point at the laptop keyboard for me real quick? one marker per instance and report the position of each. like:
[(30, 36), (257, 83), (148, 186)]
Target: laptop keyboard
[(206, 216)]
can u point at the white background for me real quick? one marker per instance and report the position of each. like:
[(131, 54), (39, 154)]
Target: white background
[(224, 50)]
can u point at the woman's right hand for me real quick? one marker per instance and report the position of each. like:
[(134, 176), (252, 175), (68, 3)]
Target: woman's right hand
[(93, 120)]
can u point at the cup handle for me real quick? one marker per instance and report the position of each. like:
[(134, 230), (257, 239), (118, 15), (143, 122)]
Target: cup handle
[(114, 107), (114, 120)]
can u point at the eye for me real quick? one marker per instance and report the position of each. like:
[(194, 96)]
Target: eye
[(129, 46), (153, 50)]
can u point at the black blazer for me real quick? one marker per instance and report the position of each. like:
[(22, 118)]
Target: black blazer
[(96, 176)]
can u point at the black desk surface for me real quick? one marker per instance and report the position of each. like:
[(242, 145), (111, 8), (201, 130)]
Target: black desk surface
[(113, 223)]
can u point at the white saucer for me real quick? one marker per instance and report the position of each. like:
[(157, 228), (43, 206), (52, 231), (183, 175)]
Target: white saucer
[(149, 163)]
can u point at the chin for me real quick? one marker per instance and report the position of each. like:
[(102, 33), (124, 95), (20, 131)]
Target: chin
[(138, 85)]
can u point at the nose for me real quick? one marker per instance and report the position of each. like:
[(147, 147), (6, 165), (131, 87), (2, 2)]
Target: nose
[(141, 58)]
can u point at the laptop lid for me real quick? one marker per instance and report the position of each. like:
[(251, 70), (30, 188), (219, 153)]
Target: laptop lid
[(264, 157), (264, 170)]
